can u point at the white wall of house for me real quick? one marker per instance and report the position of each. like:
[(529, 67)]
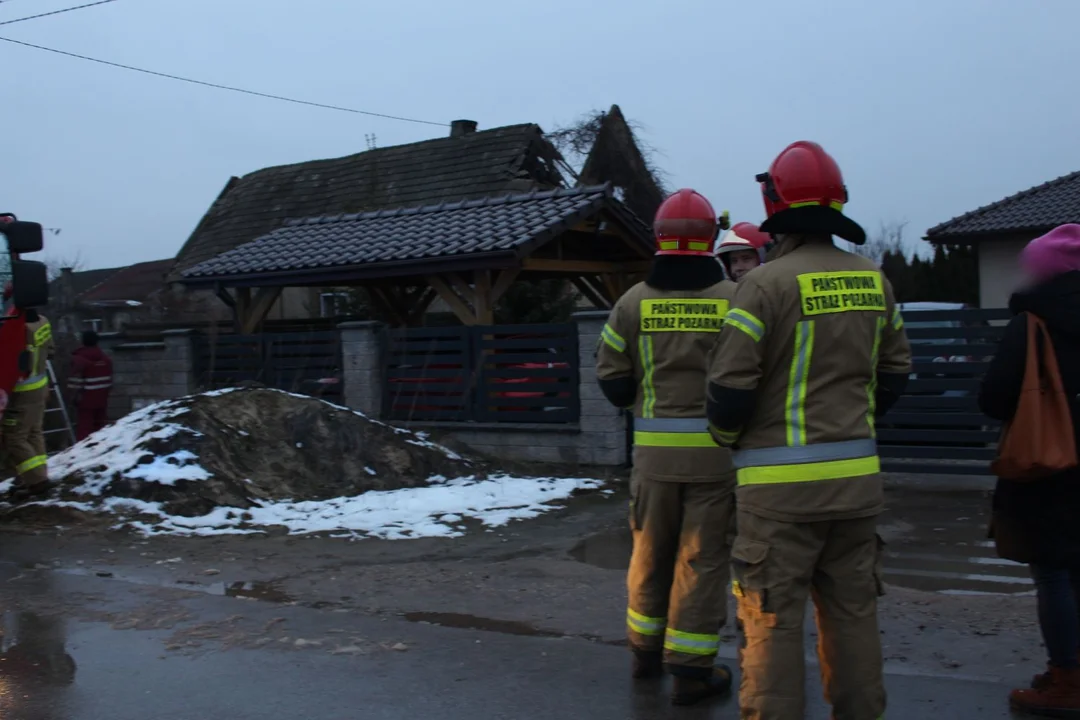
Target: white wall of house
[(999, 270)]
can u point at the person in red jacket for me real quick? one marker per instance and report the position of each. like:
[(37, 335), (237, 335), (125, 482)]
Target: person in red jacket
[(90, 382)]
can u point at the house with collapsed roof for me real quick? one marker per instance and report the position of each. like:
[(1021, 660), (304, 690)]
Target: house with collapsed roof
[(444, 223), (999, 231)]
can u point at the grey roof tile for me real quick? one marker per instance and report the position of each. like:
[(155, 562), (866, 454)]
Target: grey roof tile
[(430, 232), (1042, 207)]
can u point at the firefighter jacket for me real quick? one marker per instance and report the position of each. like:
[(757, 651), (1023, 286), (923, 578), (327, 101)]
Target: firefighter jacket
[(91, 377), (657, 342), (39, 349), (813, 348)]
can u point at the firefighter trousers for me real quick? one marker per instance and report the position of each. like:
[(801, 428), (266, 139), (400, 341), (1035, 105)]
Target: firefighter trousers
[(679, 568), (24, 436), (776, 566)]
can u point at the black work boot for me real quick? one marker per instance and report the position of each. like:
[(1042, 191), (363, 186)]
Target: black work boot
[(647, 664), (27, 493), (694, 684)]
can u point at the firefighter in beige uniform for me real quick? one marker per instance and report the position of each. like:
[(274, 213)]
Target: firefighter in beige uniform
[(813, 349), (652, 358), (24, 418)]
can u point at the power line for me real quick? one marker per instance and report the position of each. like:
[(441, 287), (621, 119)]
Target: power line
[(222, 87), (55, 12)]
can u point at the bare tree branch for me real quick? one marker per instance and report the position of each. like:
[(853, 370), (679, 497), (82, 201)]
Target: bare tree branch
[(54, 264), (888, 239)]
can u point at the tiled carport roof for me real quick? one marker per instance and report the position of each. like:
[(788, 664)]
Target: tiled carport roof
[(418, 240), (1042, 207), (514, 158)]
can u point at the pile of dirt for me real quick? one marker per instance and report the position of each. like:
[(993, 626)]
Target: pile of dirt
[(241, 448)]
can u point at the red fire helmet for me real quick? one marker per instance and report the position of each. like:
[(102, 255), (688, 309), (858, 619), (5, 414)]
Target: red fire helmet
[(685, 224), (804, 192)]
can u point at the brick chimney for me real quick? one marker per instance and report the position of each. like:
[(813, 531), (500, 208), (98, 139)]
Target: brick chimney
[(461, 128)]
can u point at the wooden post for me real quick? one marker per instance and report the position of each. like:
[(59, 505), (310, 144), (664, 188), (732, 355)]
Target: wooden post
[(241, 309), (383, 298), (502, 283), (259, 308), (482, 302)]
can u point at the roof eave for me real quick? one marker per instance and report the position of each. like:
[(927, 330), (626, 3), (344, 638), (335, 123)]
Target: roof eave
[(349, 274), (968, 238)]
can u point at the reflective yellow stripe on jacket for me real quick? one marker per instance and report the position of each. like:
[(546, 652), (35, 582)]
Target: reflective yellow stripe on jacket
[(672, 432), (745, 321), (41, 336), (613, 339), (32, 383), (807, 463), (798, 379), (871, 387), (648, 365)]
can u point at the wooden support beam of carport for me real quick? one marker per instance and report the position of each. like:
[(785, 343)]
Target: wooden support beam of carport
[(591, 294), (452, 299), (584, 267), (474, 304), (258, 308)]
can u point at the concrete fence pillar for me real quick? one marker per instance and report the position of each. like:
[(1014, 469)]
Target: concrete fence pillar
[(362, 361), (148, 372), (603, 427)]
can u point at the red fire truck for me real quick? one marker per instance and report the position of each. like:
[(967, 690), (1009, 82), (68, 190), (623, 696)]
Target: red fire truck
[(28, 288)]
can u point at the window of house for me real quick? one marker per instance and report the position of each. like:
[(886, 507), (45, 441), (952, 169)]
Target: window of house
[(333, 304), (95, 324)]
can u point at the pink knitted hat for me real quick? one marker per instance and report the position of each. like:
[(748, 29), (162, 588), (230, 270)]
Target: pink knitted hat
[(1056, 252)]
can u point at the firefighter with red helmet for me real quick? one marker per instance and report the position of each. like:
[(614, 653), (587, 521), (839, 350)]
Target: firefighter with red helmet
[(812, 351), (652, 358), (742, 249)]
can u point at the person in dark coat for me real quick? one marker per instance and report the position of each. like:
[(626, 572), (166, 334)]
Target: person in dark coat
[(1038, 522)]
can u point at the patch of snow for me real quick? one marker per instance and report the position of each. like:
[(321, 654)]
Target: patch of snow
[(369, 471), (170, 469), (219, 392), (108, 454), (390, 514), (6, 486), (134, 303)]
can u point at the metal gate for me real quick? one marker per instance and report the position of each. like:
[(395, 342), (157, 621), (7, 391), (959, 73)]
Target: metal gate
[(486, 373)]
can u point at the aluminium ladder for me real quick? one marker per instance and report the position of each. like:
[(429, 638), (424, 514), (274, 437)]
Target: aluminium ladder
[(60, 407)]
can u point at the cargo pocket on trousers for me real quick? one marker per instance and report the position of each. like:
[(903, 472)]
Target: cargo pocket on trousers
[(749, 577), (879, 565)]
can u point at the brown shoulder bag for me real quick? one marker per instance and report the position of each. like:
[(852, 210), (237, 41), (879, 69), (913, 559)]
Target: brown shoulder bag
[(1039, 441)]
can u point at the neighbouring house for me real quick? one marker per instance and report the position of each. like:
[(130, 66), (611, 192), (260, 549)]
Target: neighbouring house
[(106, 300), (1000, 230)]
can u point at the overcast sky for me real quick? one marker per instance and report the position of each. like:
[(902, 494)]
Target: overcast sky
[(931, 107)]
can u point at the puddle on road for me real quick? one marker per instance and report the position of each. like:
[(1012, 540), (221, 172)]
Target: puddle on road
[(473, 622), (264, 591), (461, 621), (609, 550)]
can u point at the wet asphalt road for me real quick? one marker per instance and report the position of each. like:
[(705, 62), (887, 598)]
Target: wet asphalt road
[(69, 664)]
